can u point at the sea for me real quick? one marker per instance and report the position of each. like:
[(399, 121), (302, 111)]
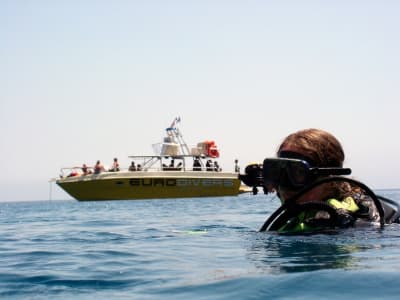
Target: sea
[(197, 248)]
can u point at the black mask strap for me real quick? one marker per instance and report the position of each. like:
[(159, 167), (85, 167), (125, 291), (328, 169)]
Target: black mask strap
[(295, 155)]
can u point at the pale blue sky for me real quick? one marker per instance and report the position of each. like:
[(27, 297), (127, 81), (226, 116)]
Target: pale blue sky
[(88, 80)]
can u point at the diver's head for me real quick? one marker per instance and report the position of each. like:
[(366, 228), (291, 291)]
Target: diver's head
[(318, 149)]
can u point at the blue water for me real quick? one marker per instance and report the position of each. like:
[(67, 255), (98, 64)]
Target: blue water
[(207, 248)]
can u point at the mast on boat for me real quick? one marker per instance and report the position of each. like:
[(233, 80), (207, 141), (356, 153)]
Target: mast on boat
[(175, 136)]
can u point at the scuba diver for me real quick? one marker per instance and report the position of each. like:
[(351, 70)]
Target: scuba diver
[(307, 176)]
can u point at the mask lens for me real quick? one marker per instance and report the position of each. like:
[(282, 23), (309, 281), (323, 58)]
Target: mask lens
[(289, 173), (271, 171), (297, 172)]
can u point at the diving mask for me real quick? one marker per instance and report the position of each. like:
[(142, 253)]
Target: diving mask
[(295, 174)]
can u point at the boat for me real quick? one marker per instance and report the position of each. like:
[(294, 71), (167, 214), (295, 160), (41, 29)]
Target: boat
[(174, 171)]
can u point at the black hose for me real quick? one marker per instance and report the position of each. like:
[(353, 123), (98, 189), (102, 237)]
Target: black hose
[(280, 214)]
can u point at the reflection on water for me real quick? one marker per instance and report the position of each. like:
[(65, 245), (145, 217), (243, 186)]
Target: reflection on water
[(274, 254)]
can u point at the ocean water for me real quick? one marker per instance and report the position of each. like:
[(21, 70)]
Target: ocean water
[(206, 248)]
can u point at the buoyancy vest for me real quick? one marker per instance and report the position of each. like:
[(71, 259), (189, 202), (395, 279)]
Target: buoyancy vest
[(319, 216)]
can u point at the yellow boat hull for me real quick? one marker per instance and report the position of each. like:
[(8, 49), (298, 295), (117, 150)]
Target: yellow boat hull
[(147, 185)]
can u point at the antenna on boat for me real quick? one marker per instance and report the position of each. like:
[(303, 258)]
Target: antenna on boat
[(51, 188), (176, 136)]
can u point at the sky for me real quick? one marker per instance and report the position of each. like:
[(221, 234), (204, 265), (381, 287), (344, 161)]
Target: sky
[(88, 80)]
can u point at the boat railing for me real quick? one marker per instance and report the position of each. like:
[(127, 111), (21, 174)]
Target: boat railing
[(66, 172), (177, 149)]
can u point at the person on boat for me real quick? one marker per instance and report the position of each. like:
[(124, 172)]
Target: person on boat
[(139, 167), (98, 168), (115, 166), (170, 167), (73, 173), (132, 167), (312, 199), (196, 164), (237, 168), (209, 165), (217, 167), (85, 170)]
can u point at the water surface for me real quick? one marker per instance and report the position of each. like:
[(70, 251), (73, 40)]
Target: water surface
[(206, 248)]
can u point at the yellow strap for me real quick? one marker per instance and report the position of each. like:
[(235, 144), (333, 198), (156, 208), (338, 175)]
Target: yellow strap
[(347, 203)]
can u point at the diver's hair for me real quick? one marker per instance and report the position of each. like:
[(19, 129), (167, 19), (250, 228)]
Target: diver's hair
[(321, 147)]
